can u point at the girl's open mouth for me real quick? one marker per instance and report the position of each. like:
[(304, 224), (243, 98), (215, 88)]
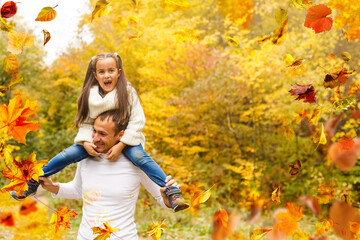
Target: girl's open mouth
[(107, 83)]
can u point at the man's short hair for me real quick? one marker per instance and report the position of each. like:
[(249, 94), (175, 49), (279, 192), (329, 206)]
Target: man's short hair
[(120, 124)]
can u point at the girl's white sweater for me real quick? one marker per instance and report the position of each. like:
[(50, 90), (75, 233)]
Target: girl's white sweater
[(98, 104)]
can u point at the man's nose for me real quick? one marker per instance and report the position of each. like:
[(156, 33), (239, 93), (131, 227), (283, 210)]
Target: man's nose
[(95, 137)]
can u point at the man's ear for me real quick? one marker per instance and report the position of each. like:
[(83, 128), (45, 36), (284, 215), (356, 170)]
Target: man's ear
[(119, 135)]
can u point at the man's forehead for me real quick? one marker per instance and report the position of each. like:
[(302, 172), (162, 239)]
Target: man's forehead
[(105, 125)]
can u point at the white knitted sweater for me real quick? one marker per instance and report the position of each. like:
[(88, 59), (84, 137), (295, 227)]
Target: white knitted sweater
[(98, 104)]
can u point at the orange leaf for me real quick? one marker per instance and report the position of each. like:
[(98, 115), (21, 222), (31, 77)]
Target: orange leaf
[(11, 64), (336, 77), (257, 234), (326, 192), (19, 40), (21, 172), (7, 219), (61, 218), (323, 227), (27, 207), (317, 20), (14, 117), (354, 88), (354, 227), (155, 229), (346, 143), (295, 167), (46, 14), (104, 233), (289, 219), (197, 199), (47, 36), (222, 218)]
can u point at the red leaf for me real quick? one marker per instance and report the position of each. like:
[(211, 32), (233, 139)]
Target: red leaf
[(317, 20), (8, 10), (346, 142), (7, 219), (306, 92)]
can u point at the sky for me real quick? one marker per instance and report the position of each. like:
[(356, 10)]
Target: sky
[(63, 28)]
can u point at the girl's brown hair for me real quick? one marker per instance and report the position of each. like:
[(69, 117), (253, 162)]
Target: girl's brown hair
[(122, 94)]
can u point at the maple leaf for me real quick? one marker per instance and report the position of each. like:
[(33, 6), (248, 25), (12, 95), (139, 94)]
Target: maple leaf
[(323, 227), (104, 233), (155, 229), (317, 20), (306, 92), (326, 192), (288, 221), (46, 14), (8, 10), (257, 234), (197, 199), (175, 5), (336, 77), (275, 196), (222, 217), (346, 142), (7, 219), (14, 118), (18, 40), (61, 218), (21, 172), (27, 207)]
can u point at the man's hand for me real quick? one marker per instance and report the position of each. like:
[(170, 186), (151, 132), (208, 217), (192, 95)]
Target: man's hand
[(48, 185), (115, 151), (90, 148), (169, 182)]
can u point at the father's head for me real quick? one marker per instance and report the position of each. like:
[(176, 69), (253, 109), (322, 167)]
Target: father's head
[(108, 129)]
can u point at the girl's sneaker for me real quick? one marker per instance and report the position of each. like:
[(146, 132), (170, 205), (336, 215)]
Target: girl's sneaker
[(32, 188), (176, 199)]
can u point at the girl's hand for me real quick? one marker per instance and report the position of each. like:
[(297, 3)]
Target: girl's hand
[(90, 148), (115, 151), (48, 185)]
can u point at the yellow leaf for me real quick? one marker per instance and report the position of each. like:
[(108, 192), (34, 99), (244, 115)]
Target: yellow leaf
[(187, 35), (197, 199), (257, 234), (104, 233), (5, 26), (281, 16), (222, 217), (240, 12), (320, 137), (302, 4), (102, 8), (47, 36), (155, 229), (323, 227), (15, 80), (46, 14), (18, 40), (11, 64), (134, 20), (275, 196), (288, 59), (300, 235), (345, 56), (326, 192), (233, 41), (175, 5)]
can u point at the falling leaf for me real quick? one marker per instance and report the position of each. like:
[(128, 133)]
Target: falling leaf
[(134, 20), (145, 203), (303, 114), (197, 199), (306, 92), (294, 67), (323, 227), (288, 221), (239, 12), (281, 16), (47, 36), (295, 167), (346, 143), (326, 192), (61, 218), (8, 10), (332, 56), (317, 20), (46, 14), (18, 40), (155, 229), (7, 219), (175, 5), (11, 64), (187, 35), (319, 136), (104, 233), (344, 103), (258, 234), (4, 26), (300, 235), (136, 2), (15, 80), (279, 35), (354, 227), (102, 8), (275, 196), (345, 56), (353, 88), (15, 118), (336, 77), (302, 4), (233, 41), (139, 35), (27, 207), (222, 218)]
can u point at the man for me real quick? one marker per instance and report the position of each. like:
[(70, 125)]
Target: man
[(109, 189)]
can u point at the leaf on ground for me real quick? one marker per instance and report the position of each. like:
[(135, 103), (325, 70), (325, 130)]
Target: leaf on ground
[(258, 234), (288, 221), (305, 92), (326, 192), (317, 20), (322, 227), (46, 14), (156, 228), (18, 40), (61, 218), (222, 217)]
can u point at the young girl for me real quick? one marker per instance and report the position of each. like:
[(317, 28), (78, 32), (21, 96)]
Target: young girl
[(105, 88)]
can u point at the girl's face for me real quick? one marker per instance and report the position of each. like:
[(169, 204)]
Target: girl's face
[(107, 74)]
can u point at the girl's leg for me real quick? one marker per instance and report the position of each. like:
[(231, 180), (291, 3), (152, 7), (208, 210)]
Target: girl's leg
[(141, 159), (72, 154)]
